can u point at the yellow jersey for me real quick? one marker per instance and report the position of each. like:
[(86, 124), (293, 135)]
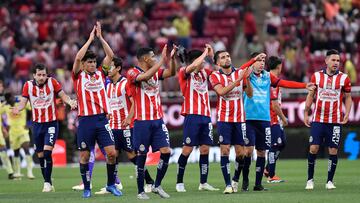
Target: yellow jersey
[(17, 123)]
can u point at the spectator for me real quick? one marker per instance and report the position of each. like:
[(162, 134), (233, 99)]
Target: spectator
[(217, 44), (334, 29), (331, 8), (183, 27), (272, 46), (249, 25), (255, 46), (349, 68), (273, 22), (308, 9), (199, 19)]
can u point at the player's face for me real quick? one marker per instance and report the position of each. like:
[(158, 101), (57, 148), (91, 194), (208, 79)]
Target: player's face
[(40, 76), (113, 70), (259, 66), (333, 62), (224, 60), (90, 65), (150, 59)]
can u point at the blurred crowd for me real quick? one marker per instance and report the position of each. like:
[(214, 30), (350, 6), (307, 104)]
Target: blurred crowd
[(301, 30)]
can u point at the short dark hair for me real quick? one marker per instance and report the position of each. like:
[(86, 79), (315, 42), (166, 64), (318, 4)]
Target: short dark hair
[(38, 66), (193, 54), (252, 55), (331, 52), (273, 62), (143, 51), (89, 55), (118, 62), (216, 56)]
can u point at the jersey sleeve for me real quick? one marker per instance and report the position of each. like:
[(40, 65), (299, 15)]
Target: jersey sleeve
[(56, 85), (247, 64), (214, 80), (25, 91), (132, 74), (274, 93), (347, 85), (182, 73), (274, 80)]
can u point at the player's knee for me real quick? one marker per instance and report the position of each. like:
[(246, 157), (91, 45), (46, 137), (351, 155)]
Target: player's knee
[(240, 151), (186, 151), (333, 151), (84, 157), (225, 150), (204, 149), (111, 154), (314, 149)]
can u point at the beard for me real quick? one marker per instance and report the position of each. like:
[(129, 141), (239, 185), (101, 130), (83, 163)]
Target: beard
[(226, 66)]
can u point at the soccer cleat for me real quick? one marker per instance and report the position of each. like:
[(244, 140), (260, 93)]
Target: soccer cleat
[(80, 187), (143, 196), (102, 191), (245, 186), (228, 190), (275, 179), (148, 188), (235, 185), (266, 173), (18, 175), (180, 187), (260, 188), (206, 186), (30, 175), (86, 194), (48, 187), (11, 176), (113, 190), (158, 190), (309, 185), (330, 185), (119, 186)]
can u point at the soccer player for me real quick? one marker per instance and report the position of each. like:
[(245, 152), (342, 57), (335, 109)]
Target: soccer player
[(326, 126), (41, 92), (229, 84), (4, 133), (257, 111), (278, 121), (198, 129), (93, 109), (149, 127), (121, 122), (18, 136)]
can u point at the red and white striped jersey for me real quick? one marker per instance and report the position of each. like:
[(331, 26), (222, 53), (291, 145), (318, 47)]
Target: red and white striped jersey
[(194, 87), (90, 92), (230, 107), (119, 100), (42, 99), (146, 95), (275, 95), (329, 95)]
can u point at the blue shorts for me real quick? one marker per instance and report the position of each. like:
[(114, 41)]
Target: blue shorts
[(198, 130), (325, 132), (258, 134), (231, 133), (278, 138), (45, 134), (93, 129), (150, 133), (123, 139)]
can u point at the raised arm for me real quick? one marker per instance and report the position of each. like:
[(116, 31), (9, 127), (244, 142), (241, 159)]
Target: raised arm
[(67, 100), (82, 51), (308, 103), (191, 68), (107, 49), (172, 70), (151, 72)]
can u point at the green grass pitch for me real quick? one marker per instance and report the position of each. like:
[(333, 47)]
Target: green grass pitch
[(294, 172)]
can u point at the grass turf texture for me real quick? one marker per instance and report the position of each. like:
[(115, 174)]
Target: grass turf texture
[(293, 171)]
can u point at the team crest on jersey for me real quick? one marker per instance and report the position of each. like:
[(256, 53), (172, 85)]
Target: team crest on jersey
[(279, 141), (150, 87), (83, 145), (188, 140), (221, 138), (142, 148), (246, 140), (94, 84), (93, 79), (199, 84), (311, 139)]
